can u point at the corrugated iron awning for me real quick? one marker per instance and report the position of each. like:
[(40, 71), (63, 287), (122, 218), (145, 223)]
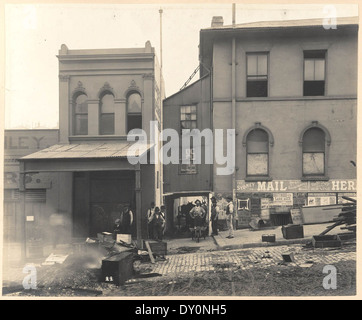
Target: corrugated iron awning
[(91, 150)]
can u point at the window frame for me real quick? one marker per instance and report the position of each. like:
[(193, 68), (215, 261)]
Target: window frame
[(248, 175), (101, 114), (258, 53), (324, 153), (133, 114), (190, 120), (76, 114), (324, 51)]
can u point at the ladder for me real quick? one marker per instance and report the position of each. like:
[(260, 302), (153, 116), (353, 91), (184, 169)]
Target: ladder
[(190, 78)]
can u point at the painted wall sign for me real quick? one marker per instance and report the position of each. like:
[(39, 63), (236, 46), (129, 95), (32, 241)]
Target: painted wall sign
[(296, 215), (24, 142), (283, 199), (297, 186), (32, 180)]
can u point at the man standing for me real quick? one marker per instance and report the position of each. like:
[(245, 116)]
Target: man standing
[(150, 215), (229, 217), (197, 214), (158, 224), (214, 216), (126, 219), (163, 214)]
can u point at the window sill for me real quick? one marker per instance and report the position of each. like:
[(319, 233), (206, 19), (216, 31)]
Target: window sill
[(258, 178), (315, 178)]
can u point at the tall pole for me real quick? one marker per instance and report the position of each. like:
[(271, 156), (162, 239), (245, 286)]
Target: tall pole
[(161, 11), (161, 113), (234, 14)]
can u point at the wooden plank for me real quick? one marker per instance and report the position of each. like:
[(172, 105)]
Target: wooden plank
[(150, 252)]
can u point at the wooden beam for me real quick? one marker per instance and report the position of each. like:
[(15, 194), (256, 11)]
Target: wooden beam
[(150, 252)]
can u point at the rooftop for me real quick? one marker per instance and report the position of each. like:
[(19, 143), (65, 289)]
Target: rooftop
[(286, 23)]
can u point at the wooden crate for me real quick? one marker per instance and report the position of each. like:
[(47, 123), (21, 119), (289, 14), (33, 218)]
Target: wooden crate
[(293, 231), (127, 238), (118, 268), (326, 241), (268, 238)]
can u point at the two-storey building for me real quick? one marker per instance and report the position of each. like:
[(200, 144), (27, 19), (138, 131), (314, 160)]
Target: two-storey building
[(106, 97), (289, 90)]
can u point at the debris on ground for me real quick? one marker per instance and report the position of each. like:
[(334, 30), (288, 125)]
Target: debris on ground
[(181, 250), (54, 258)]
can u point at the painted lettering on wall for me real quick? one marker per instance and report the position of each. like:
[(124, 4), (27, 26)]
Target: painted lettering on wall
[(297, 186), (32, 180), (22, 142)]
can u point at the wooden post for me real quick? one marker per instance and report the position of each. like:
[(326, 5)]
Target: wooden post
[(139, 206)]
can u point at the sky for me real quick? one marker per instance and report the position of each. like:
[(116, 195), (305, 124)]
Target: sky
[(34, 34)]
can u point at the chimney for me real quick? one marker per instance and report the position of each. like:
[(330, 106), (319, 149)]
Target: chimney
[(217, 21)]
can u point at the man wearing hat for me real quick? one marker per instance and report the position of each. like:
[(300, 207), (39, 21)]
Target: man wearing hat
[(214, 216), (126, 219), (229, 216)]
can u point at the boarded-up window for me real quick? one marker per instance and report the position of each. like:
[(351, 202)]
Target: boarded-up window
[(313, 152), (257, 153)]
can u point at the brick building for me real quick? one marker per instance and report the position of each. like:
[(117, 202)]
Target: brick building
[(289, 90)]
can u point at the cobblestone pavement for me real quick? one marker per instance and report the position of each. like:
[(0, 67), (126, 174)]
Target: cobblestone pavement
[(248, 258)]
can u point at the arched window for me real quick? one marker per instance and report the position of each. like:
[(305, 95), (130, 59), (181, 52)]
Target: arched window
[(106, 119), (314, 152), (134, 112), (80, 109), (257, 149)]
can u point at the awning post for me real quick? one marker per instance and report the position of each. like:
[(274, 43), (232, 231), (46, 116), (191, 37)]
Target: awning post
[(139, 207)]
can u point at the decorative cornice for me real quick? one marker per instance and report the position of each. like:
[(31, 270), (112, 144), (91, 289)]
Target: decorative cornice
[(258, 125), (79, 89), (316, 124), (106, 88), (132, 88), (64, 77), (148, 76)]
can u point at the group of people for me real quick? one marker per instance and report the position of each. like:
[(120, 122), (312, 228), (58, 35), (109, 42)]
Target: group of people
[(156, 218), (198, 215), (156, 221)]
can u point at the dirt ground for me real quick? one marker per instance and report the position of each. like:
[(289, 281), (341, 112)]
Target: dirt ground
[(79, 277)]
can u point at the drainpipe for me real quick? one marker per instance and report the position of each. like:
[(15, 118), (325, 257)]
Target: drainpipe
[(233, 107)]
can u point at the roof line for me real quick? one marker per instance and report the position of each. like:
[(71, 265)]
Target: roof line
[(205, 76)]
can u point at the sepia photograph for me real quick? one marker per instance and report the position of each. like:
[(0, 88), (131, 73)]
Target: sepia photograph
[(167, 150)]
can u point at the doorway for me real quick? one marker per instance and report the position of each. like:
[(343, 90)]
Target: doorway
[(98, 200)]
